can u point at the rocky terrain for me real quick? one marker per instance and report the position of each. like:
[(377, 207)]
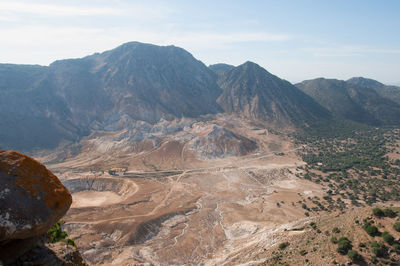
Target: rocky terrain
[(196, 197), (133, 83), (171, 162), (32, 201), (251, 91)]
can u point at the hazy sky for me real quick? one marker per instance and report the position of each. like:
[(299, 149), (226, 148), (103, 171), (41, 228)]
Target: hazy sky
[(295, 39)]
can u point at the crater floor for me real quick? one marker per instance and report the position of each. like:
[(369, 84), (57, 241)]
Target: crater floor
[(211, 215), (176, 205), (94, 198)]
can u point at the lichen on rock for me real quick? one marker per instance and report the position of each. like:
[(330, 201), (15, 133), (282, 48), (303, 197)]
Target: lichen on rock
[(32, 200)]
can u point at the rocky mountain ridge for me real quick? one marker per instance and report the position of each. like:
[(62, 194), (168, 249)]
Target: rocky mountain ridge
[(358, 99), (44, 107), (135, 83), (253, 92)]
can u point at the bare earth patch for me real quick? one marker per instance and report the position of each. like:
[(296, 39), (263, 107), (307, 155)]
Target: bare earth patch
[(94, 198), (174, 207)]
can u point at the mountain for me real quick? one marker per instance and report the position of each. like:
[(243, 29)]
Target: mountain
[(365, 82), (386, 91), (251, 91), (42, 106), (355, 100), (31, 115), (221, 68), (136, 83), (142, 81)]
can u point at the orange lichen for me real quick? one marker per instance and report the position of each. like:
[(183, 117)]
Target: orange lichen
[(35, 179)]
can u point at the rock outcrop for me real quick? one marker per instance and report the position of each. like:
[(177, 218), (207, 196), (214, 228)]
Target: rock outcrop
[(57, 254), (32, 199)]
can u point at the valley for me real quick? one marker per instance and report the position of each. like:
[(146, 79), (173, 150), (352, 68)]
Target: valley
[(171, 162), (201, 213), (189, 206)]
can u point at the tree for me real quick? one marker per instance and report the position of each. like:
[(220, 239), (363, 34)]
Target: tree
[(372, 230), (378, 212), (379, 249), (388, 237), (396, 226), (344, 245), (353, 255), (389, 213)]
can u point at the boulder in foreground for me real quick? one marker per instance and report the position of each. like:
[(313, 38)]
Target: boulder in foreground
[(32, 199)]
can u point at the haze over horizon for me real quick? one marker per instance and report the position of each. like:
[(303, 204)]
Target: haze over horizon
[(294, 40)]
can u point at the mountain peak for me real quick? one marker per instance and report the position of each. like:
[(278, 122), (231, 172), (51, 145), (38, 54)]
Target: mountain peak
[(253, 92), (365, 82), (220, 68), (250, 65)]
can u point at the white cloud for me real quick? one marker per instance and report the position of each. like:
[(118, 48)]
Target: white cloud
[(56, 10), (7, 18), (133, 10), (63, 40)]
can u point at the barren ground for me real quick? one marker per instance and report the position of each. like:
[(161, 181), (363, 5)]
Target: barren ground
[(213, 211)]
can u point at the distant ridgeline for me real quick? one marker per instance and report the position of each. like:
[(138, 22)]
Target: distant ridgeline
[(42, 107)]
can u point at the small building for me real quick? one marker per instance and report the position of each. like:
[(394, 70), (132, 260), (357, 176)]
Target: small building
[(117, 171)]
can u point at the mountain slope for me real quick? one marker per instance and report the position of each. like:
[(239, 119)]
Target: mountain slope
[(221, 68), (351, 101), (42, 106), (31, 116), (251, 91), (389, 92), (145, 82)]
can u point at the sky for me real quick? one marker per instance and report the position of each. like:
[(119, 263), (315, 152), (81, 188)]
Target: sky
[(293, 39)]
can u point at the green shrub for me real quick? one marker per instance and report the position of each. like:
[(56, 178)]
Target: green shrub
[(396, 247), (353, 255), (334, 240), (396, 226), (374, 244), (335, 230), (388, 237), (389, 213), (283, 245), (372, 230), (303, 252), (313, 225), (344, 245), (378, 212), (56, 234), (379, 249)]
